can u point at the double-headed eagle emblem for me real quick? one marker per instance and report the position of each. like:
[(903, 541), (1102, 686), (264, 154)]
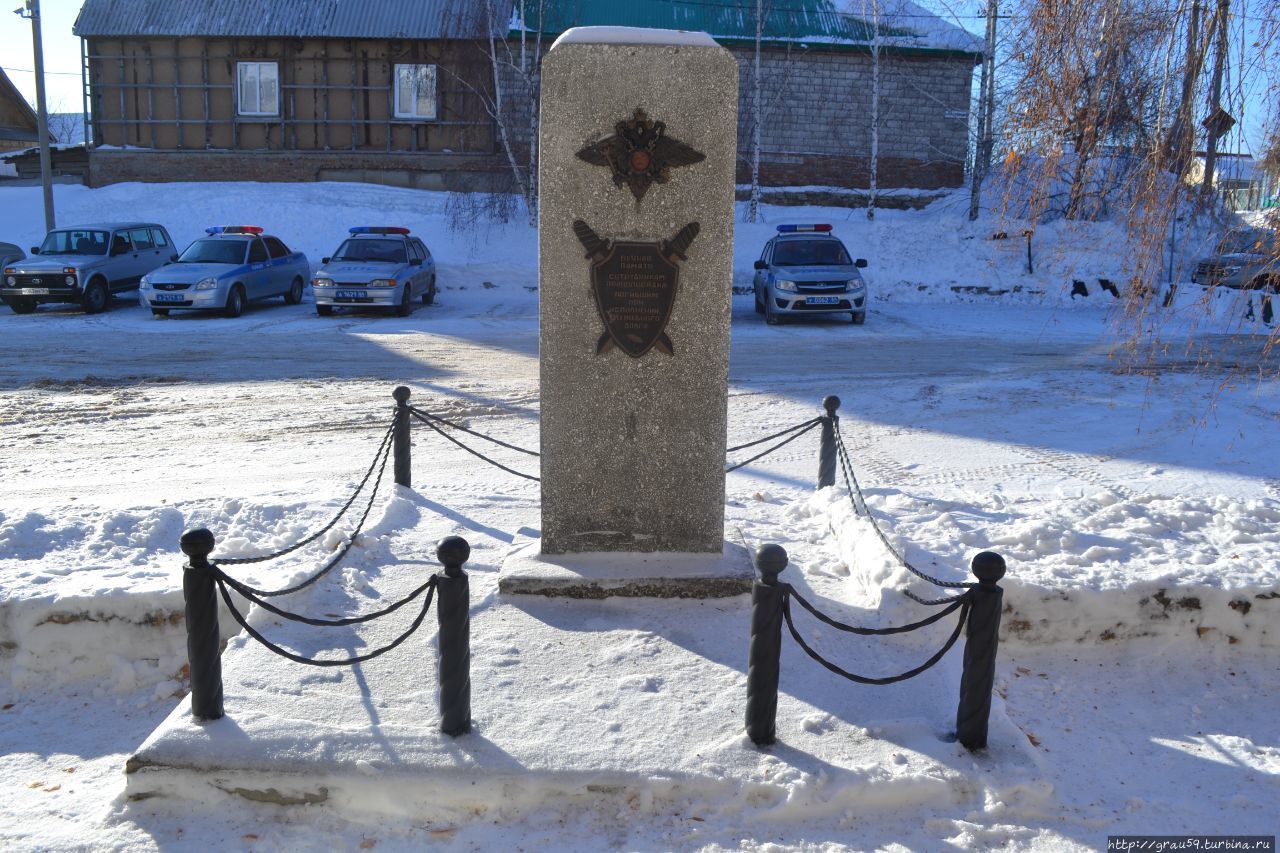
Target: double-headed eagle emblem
[(640, 154)]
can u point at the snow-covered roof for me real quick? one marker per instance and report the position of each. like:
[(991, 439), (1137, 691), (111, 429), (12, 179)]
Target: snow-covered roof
[(837, 23), (925, 29), (420, 19), (26, 131)]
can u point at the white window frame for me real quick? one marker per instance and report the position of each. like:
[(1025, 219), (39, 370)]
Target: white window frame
[(418, 74), (257, 68)]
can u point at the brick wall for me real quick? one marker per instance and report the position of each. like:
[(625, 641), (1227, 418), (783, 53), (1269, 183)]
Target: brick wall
[(817, 118), (816, 131), (423, 171)]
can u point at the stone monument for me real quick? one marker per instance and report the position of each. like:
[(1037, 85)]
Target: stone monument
[(638, 145)]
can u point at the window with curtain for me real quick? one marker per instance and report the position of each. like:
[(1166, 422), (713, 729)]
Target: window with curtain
[(258, 89), (416, 91)]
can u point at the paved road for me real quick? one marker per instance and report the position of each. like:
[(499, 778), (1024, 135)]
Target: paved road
[(446, 344)]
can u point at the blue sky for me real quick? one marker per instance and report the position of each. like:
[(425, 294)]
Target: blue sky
[(62, 58)]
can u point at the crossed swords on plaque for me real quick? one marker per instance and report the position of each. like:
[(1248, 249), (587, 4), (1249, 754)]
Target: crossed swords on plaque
[(634, 284)]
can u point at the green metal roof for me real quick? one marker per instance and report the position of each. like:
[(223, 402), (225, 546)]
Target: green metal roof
[(725, 20)]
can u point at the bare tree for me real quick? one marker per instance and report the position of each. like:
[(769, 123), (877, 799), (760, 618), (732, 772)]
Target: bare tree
[(515, 83), (874, 164), (765, 92), (1220, 25), (757, 115), (65, 127), (1091, 91)]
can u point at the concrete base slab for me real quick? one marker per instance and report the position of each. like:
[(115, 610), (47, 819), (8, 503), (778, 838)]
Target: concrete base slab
[(527, 571), (625, 706)]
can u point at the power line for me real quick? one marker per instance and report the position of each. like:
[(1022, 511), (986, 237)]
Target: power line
[(7, 69)]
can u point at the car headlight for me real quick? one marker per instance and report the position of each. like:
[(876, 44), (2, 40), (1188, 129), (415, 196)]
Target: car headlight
[(206, 284), (322, 282), (1231, 270), (145, 281), (383, 282), (783, 284), (854, 284)]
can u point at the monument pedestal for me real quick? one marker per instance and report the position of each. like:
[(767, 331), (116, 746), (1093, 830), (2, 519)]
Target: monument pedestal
[(601, 574), (638, 145)]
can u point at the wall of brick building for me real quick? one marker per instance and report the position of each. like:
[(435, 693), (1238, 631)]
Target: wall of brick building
[(470, 173), (817, 118), (816, 127)]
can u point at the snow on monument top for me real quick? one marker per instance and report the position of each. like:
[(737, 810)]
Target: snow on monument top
[(633, 35)]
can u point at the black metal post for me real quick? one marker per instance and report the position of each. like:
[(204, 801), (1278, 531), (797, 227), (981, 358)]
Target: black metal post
[(204, 651), (981, 639), (827, 449), (453, 608), (400, 440), (764, 658)]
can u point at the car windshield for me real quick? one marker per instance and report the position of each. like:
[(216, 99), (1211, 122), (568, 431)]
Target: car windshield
[(387, 251), (810, 253), (75, 242), (1252, 241), (214, 252)]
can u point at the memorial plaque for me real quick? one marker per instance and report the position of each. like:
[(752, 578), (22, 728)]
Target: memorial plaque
[(634, 285)]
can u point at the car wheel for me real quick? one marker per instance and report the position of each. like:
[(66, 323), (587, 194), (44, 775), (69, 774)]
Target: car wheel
[(770, 316), (235, 302), (160, 312), (405, 308), (22, 306), (294, 296), (430, 295), (324, 310), (95, 297), (859, 317), (759, 305)]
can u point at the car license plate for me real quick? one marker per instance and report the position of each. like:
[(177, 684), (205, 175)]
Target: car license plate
[(821, 300), (351, 294), (169, 297), (35, 291)]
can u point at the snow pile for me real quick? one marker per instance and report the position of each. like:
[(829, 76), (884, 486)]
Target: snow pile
[(1081, 569)]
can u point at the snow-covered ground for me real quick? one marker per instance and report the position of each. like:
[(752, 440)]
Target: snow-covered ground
[(1131, 481)]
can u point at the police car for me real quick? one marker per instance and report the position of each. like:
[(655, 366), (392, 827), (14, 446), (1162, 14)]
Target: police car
[(805, 269), (376, 267), (234, 264)]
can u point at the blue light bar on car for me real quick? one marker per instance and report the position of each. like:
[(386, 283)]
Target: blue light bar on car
[(792, 229), (377, 229), (234, 229)]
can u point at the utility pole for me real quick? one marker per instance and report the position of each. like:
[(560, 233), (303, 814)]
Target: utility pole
[(873, 172), (986, 106), (757, 120), (1215, 99), (31, 9)]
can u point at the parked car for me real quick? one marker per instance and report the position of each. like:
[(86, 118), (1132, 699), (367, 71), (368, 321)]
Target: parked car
[(234, 264), (805, 269), (9, 253), (86, 264), (376, 266), (1246, 259)]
